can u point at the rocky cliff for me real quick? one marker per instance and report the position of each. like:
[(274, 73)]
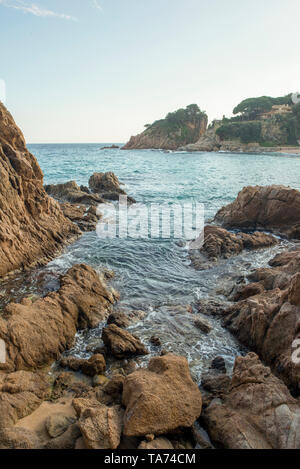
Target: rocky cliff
[(179, 128), (32, 225)]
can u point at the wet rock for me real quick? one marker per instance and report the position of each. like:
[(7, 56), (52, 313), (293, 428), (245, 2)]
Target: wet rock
[(203, 325), (121, 343), (270, 208), (158, 443), (85, 219), (57, 424), (36, 334), (94, 366), (210, 307), (101, 427), (218, 364), (257, 413), (71, 192), (118, 318), (33, 227), (112, 147), (268, 323), (160, 399), (221, 244), (155, 341), (201, 437), (105, 182), (244, 292)]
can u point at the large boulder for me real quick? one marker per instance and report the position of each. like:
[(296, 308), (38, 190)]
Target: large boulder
[(108, 186), (258, 411), (32, 225), (121, 343), (105, 182), (270, 208), (160, 399), (37, 333)]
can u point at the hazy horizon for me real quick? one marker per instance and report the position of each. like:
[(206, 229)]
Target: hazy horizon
[(97, 71)]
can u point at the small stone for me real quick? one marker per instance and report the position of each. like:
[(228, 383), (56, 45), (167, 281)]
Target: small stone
[(100, 380), (155, 341), (203, 325)]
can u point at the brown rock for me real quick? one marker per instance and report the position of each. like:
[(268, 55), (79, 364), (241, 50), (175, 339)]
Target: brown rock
[(65, 441), (246, 291), (294, 293), (20, 394), (71, 192), (268, 323), (158, 443), (86, 219), (115, 386), (160, 399), (37, 334), (94, 366), (121, 343), (270, 208), (221, 244), (118, 318), (203, 325), (257, 413), (105, 182), (101, 427), (33, 227), (57, 424), (18, 438)]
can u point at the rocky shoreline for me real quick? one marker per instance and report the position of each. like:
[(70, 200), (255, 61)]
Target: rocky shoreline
[(80, 405)]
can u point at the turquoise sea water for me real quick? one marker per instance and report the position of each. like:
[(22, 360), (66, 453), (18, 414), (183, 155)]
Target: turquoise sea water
[(156, 275)]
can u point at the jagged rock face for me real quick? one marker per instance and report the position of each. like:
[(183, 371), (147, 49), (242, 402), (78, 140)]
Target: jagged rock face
[(71, 192), (269, 321), (158, 137), (121, 343), (257, 413), (160, 399), (208, 142), (20, 394), (221, 244), (32, 225), (37, 333), (270, 208), (101, 427)]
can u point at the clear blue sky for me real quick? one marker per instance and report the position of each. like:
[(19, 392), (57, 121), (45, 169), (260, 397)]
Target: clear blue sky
[(98, 70)]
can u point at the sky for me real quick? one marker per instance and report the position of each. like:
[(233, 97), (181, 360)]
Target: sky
[(99, 70)]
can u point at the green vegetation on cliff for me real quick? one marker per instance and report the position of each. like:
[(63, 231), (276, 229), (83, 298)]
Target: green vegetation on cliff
[(179, 128), (265, 120), (252, 107), (182, 125)]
